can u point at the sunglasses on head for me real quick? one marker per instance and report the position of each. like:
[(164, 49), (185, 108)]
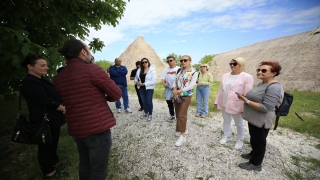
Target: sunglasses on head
[(233, 64), (203, 66), (184, 60), (144, 62), (169, 60), (262, 70)]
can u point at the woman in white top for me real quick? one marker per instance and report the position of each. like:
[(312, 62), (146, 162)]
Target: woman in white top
[(227, 100), (145, 79), (182, 93)]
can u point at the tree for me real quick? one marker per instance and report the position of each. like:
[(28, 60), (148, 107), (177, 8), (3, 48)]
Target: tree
[(104, 64), (41, 27), (206, 59)]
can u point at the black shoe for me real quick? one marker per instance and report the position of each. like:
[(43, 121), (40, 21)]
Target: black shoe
[(140, 109), (246, 156), (248, 166), (56, 175)]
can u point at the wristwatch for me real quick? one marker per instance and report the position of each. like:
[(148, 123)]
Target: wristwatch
[(248, 102)]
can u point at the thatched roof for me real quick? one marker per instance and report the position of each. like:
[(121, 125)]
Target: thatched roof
[(137, 50), (299, 56)]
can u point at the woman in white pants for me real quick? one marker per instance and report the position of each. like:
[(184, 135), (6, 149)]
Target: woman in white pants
[(228, 102)]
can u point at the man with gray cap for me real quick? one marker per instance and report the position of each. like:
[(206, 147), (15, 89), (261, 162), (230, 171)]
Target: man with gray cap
[(132, 75)]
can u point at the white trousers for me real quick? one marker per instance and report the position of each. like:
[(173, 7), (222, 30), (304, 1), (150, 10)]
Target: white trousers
[(227, 124)]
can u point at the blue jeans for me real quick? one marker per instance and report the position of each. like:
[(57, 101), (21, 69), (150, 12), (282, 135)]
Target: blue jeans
[(94, 153), (202, 98), (125, 98), (146, 98)]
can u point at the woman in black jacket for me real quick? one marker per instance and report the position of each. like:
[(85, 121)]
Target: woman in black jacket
[(41, 98)]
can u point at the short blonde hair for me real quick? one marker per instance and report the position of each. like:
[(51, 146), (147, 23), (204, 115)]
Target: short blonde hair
[(242, 63)]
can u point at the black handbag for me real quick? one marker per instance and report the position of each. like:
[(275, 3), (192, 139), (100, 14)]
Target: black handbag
[(27, 133)]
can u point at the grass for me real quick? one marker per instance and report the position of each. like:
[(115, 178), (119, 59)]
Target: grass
[(306, 168), (18, 161)]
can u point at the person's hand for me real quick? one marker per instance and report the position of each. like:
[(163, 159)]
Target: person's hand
[(175, 96), (243, 98), (199, 83), (140, 84), (176, 92)]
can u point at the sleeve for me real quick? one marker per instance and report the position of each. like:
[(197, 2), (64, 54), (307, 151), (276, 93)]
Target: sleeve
[(192, 82), (163, 75), (219, 95), (153, 79), (249, 84), (132, 73), (136, 78), (102, 81), (209, 79), (36, 91), (271, 98), (122, 71)]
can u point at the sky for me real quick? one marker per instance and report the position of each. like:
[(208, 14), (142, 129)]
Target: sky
[(205, 27)]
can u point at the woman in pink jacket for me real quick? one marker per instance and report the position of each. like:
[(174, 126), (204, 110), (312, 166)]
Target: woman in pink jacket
[(228, 102)]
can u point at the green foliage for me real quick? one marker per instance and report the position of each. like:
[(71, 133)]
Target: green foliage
[(207, 59), (41, 27), (104, 64)]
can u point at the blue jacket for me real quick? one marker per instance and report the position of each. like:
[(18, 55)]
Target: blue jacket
[(118, 75)]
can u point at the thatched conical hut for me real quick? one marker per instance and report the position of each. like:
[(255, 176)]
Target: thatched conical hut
[(299, 56), (137, 50)]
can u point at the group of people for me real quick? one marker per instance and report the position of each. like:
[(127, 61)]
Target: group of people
[(80, 92)]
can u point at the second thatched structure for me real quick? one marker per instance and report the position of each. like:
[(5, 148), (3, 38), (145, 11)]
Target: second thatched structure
[(299, 56), (137, 50)]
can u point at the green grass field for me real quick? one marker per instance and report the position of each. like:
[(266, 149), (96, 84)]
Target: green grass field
[(18, 161)]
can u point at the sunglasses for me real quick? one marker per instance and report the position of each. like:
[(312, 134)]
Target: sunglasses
[(233, 64), (184, 60), (170, 61), (143, 62), (262, 70), (203, 66)]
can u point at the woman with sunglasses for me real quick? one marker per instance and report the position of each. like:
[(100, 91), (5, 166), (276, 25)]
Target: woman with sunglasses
[(182, 91), (205, 80), (259, 111), (236, 81), (145, 79)]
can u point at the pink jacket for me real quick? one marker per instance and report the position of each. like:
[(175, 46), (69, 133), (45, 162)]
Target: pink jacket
[(242, 85)]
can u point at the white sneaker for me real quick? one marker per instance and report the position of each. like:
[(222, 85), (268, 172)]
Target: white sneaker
[(128, 110), (181, 141), (238, 145), (119, 111), (143, 116), (224, 140), (149, 118), (171, 118), (179, 133)]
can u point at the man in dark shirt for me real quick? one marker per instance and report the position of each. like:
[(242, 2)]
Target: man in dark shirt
[(118, 75), (132, 75)]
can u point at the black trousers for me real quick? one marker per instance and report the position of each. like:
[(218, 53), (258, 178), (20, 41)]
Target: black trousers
[(47, 153), (258, 141), (139, 98), (171, 107)]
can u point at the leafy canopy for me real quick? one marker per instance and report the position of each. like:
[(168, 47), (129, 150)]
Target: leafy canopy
[(42, 26)]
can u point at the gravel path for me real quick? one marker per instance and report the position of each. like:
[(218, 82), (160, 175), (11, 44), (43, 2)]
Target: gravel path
[(146, 150)]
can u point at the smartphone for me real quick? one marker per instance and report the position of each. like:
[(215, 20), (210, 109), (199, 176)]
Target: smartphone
[(238, 93)]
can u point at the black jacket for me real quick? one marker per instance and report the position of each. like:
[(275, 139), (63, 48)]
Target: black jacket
[(41, 96)]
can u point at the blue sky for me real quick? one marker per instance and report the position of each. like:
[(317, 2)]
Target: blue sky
[(204, 27)]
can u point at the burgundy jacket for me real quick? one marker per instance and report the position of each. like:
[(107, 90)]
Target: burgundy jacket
[(84, 89)]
